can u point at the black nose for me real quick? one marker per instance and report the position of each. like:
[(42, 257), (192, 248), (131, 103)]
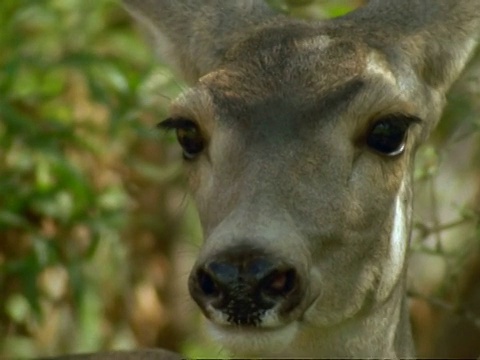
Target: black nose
[(243, 285)]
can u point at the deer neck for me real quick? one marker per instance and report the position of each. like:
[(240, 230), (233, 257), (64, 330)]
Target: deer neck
[(380, 330)]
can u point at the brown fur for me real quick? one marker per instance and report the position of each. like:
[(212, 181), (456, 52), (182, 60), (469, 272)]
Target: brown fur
[(284, 106)]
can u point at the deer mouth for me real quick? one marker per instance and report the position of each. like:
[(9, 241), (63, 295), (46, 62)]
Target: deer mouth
[(253, 341), (248, 331)]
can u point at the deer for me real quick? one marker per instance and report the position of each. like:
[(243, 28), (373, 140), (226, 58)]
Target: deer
[(299, 140)]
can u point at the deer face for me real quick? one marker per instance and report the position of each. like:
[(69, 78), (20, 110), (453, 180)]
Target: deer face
[(299, 140), (298, 159)]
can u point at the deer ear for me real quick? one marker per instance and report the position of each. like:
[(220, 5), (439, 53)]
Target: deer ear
[(193, 36), (445, 54), (436, 38)]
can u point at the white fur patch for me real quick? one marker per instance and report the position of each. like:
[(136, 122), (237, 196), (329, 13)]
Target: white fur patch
[(393, 266), (398, 237)]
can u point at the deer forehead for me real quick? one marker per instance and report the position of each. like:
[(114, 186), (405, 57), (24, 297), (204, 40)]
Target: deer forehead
[(294, 75)]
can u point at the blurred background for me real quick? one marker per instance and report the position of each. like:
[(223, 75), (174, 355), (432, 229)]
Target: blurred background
[(97, 231)]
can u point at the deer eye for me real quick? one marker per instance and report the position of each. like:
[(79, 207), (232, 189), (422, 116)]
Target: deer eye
[(188, 135), (389, 134)]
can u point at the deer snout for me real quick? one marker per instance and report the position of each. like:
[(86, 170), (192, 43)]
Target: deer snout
[(244, 286)]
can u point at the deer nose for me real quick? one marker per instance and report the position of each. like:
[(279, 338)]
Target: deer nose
[(244, 286)]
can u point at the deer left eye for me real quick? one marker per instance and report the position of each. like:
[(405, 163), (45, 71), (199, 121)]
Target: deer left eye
[(389, 135), (190, 140), (188, 135)]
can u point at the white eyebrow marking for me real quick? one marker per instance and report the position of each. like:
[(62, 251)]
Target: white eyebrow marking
[(377, 65), (316, 42)]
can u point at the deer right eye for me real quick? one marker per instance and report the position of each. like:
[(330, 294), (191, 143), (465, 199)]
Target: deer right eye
[(389, 135), (188, 135)]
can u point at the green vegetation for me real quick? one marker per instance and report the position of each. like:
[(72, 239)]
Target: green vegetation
[(79, 101)]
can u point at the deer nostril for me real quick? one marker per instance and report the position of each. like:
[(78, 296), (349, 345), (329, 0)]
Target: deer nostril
[(207, 283), (279, 283), (245, 287)]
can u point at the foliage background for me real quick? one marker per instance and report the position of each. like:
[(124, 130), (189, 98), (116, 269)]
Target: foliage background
[(96, 230)]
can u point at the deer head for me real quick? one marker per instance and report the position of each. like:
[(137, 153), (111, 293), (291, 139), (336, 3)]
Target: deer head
[(299, 139)]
